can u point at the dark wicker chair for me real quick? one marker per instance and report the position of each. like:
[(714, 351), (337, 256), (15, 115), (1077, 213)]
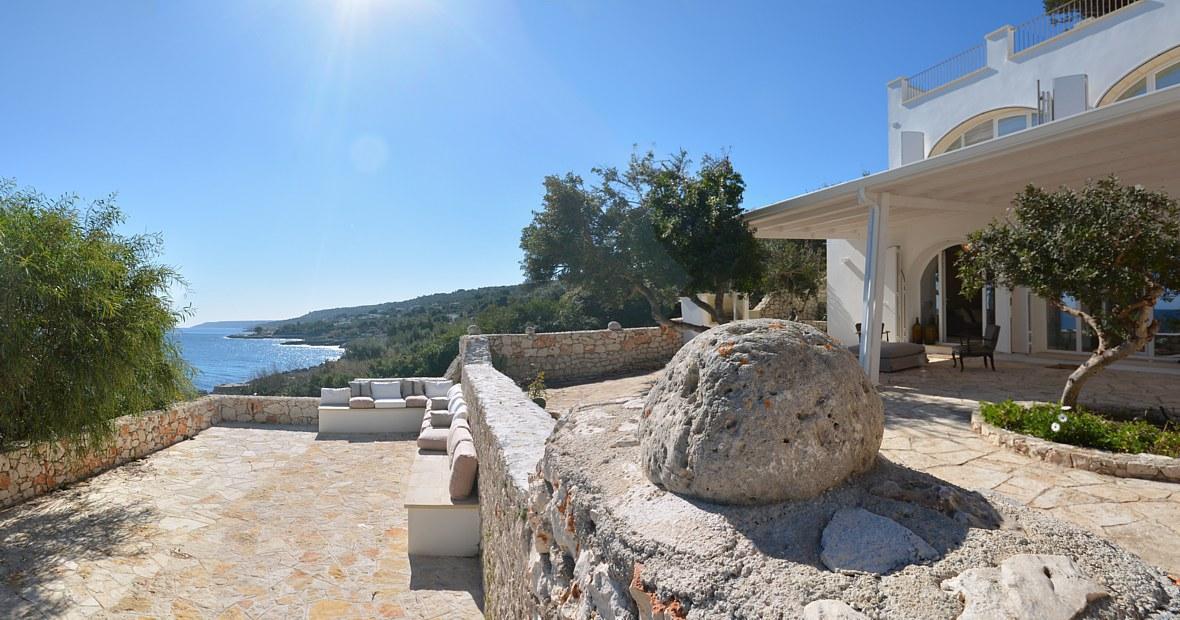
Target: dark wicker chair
[(884, 333), (976, 347)]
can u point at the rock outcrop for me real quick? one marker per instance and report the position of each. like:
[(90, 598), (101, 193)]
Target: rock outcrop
[(755, 412)]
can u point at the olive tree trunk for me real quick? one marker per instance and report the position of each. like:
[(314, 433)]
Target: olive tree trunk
[(1144, 330), (707, 307)]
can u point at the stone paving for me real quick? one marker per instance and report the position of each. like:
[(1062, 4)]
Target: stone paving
[(239, 522), (927, 427)]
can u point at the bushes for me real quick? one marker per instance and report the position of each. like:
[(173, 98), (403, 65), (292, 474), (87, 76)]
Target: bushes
[(1082, 428), (84, 320)]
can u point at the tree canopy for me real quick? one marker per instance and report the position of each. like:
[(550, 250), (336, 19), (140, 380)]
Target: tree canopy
[(85, 318), (1113, 248), (654, 229), (698, 219)]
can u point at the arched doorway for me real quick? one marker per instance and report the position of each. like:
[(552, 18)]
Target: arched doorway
[(944, 302)]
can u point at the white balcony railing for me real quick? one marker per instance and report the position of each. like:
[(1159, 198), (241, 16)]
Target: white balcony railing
[(1056, 21)]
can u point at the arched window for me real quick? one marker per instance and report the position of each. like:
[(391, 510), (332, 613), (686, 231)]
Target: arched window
[(1159, 72), (984, 127)]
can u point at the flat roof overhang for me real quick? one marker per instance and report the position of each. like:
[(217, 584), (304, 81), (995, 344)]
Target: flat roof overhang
[(1137, 140)]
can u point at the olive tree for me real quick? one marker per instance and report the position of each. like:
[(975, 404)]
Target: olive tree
[(698, 218), (85, 318), (600, 241), (1113, 248)]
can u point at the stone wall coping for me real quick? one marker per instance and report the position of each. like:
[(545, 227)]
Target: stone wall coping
[(616, 333), (1144, 466)]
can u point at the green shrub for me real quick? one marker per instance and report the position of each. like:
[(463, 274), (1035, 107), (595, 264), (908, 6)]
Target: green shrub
[(1080, 427), (85, 318)]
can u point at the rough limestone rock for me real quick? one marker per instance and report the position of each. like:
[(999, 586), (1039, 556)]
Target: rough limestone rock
[(1049, 587), (609, 543), (858, 540), (830, 609), (756, 412)]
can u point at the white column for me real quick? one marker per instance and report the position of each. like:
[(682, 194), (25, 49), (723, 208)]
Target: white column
[(870, 341)]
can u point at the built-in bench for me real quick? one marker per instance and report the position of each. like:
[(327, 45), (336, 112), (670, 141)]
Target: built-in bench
[(442, 504), (369, 406), (437, 524)]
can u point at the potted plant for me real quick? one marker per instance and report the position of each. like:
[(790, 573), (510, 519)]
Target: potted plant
[(537, 389)]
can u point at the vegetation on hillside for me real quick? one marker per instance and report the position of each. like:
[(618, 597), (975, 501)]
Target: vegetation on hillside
[(420, 337), (1113, 248), (84, 320)]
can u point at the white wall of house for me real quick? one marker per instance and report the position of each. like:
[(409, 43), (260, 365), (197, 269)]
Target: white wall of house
[(1105, 51)]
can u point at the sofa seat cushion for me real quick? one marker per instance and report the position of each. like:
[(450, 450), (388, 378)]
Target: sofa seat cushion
[(389, 403), (436, 388), (441, 419), (433, 439), (335, 397), (417, 402), (439, 402), (360, 402), (464, 467), (386, 389)]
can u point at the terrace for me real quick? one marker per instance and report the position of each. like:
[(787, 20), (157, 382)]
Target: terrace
[(258, 516), (927, 427)]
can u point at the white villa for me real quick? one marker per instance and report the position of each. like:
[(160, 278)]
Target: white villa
[(1087, 91)]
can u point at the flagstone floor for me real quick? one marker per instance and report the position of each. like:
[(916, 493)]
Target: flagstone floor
[(927, 427), (239, 522)]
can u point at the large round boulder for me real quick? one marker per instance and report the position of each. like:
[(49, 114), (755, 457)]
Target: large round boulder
[(761, 411)]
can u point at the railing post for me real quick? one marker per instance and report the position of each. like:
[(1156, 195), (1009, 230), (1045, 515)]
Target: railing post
[(1000, 47)]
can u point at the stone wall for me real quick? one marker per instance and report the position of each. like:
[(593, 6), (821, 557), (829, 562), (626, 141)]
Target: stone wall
[(510, 433), (573, 357), (30, 471)]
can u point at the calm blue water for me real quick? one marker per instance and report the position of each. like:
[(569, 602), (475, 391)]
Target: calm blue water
[(219, 359)]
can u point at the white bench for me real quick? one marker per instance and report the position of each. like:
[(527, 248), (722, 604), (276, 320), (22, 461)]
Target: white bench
[(343, 419), (438, 525)]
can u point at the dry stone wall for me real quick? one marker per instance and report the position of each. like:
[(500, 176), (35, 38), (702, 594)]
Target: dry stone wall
[(509, 432), (33, 470), (573, 357)]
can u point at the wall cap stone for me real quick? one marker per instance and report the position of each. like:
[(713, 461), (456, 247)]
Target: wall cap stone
[(1121, 465)]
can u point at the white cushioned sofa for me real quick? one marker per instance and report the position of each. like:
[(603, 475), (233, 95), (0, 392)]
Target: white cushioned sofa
[(392, 405), (442, 504)]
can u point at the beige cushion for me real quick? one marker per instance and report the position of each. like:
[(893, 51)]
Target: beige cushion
[(436, 388), (389, 403), (417, 402), (355, 386), (361, 402), (464, 468), (455, 390), (334, 397), (386, 389), (460, 413), (458, 434), (440, 419), (433, 439), (454, 404), (439, 402)]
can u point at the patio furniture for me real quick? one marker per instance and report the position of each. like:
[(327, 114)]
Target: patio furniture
[(442, 504), (370, 406), (977, 347), (897, 356), (884, 333)]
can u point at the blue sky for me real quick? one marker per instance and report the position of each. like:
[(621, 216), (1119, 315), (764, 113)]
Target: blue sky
[(302, 155)]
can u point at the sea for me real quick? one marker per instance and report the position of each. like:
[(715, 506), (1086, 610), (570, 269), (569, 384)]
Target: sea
[(219, 359)]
